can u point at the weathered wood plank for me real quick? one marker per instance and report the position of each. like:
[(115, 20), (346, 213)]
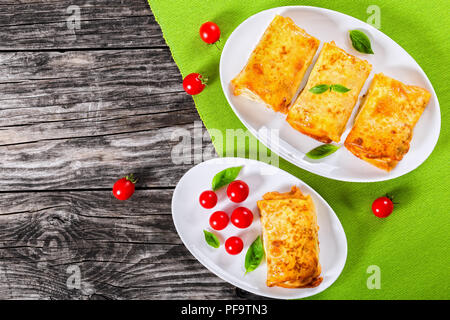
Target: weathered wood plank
[(96, 162), (76, 94), (124, 250), (81, 119), (61, 80), (37, 25)]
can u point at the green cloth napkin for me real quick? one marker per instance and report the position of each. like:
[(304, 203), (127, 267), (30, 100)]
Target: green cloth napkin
[(411, 247)]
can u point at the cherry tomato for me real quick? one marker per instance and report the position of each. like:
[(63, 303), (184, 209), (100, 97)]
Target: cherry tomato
[(382, 207), (209, 32), (194, 83), (234, 245), (242, 217), (123, 189), (208, 199), (219, 220), (237, 191)]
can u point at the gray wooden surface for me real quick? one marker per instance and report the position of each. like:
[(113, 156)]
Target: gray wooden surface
[(80, 108)]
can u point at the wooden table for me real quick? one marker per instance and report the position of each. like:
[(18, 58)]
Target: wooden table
[(84, 102)]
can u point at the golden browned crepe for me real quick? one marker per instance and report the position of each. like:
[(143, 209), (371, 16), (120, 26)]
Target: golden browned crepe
[(290, 237), (324, 116), (384, 126), (277, 65)]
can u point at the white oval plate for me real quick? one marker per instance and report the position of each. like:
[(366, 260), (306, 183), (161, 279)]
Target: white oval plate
[(328, 25), (191, 219)]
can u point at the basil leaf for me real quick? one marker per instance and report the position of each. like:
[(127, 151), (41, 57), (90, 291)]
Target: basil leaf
[(224, 177), (361, 41), (254, 256), (211, 239), (322, 151), (339, 88), (320, 88)]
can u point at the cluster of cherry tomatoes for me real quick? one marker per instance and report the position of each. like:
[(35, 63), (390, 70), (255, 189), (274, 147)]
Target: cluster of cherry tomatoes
[(241, 217), (194, 83)]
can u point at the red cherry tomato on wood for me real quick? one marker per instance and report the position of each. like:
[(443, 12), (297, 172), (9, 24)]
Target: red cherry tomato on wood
[(234, 245), (237, 191), (123, 189), (208, 199), (194, 83), (242, 217), (209, 32), (382, 207), (219, 220)]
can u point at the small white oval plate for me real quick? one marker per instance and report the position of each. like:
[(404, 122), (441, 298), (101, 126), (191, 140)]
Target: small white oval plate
[(328, 25), (191, 219)]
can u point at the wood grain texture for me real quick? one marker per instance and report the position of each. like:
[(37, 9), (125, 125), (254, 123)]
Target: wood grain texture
[(81, 119), (41, 25), (123, 250), (79, 108)]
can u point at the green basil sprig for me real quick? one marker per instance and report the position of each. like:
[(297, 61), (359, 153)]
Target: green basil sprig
[(321, 88), (339, 88), (255, 254), (322, 151), (224, 177), (361, 42), (211, 239)]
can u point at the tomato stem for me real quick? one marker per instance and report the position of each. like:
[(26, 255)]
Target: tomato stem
[(130, 177), (391, 197), (203, 79)]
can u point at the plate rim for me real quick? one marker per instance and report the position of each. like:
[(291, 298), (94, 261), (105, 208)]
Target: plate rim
[(218, 273), (286, 155)]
